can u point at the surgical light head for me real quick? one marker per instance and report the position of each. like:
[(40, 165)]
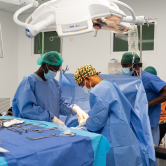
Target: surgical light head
[(111, 23), (74, 17)]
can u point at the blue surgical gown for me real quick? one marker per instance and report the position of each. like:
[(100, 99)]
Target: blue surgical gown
[(153, 86), (39, 100), (107, 117)]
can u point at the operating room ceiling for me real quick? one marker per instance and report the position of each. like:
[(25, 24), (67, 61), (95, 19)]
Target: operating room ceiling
[(13, 8)]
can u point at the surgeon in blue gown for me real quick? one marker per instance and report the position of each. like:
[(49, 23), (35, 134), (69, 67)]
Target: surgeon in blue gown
[(38, 96), (107, 117), (155, 91)]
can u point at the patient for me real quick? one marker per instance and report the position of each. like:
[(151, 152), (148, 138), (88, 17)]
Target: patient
[(107, 117)]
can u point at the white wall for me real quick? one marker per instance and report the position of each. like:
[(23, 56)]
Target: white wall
[(85, 49), (9, 64), (26, 63)]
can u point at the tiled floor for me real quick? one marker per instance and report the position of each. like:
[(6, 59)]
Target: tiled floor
[(161, 162)]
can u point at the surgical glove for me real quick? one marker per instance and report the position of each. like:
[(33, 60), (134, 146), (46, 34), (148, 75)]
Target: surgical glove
[(56, 120), (82, 123), (82, 115)]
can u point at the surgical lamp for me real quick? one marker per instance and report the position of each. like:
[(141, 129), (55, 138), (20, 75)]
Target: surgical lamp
[(74, 17)]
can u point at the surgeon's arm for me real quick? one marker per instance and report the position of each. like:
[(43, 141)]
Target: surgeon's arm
[(70, 109), (56, 120), (29, 108), (160, 99), (98, 115), (64, 107)]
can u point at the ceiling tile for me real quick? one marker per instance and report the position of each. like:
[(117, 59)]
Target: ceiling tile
[(4, 5), (13, 8)]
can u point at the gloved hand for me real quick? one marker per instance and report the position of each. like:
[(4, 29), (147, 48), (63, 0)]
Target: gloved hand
[(56, 120), (82, 115), (82, 123)]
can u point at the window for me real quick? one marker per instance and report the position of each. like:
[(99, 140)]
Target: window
[(119, 42), (52, 42), (1, 44)]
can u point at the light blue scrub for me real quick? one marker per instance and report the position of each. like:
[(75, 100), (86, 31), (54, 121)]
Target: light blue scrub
[(107, 117), (39, 100)]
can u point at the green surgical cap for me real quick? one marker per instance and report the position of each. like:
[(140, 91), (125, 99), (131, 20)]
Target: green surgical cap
[(128, 58), (151, 70), (51, 58)]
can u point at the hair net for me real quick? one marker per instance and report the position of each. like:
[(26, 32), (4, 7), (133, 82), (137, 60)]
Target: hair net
[(128, 58), (51, 58), (151, 70), (84, 72)]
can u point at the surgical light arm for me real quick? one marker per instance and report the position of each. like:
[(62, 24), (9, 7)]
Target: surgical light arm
[(130, 19)]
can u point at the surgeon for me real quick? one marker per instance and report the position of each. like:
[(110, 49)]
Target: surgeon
[(151, 70), (162, 122), (107, 117), (155, 90), (38, 96)]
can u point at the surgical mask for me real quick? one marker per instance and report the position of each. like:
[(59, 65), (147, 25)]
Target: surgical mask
[(85, 89), (50, 74), (126, 71)]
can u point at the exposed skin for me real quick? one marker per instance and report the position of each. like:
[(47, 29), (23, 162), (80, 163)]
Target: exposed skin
[(158, 100), (91, 81), (43, 69)]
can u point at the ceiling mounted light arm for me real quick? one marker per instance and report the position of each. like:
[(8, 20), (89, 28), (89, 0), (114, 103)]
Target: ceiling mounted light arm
[(27, 5), (116, 6), (18, 12), (140, 20), (28, 19), (125, 6)]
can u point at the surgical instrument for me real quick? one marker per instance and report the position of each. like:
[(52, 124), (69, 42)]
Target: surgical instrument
[(52, 135), (67, 134), (16, 130), (41, 130), (19, 126), (28, 129), (4, 120)]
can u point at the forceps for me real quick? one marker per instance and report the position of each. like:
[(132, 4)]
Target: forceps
[(41, 130), (52, 135)]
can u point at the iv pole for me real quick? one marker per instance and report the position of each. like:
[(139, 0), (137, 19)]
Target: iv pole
[(140, 69)]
